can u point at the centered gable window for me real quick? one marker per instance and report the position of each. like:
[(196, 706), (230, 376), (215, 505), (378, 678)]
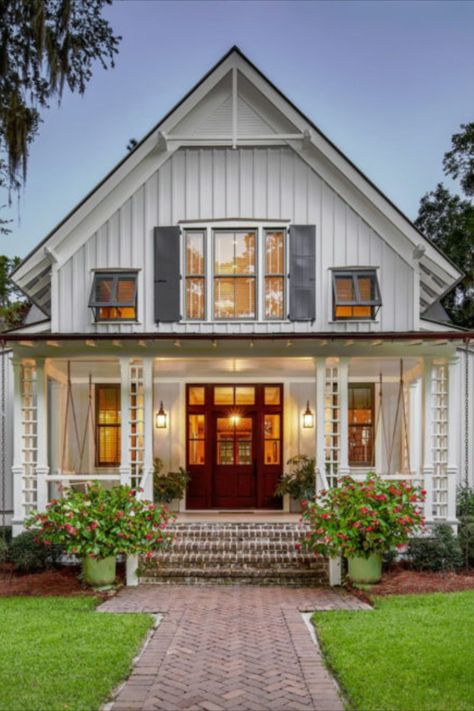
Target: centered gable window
[(356, 294), (114, 296), (234, 274)]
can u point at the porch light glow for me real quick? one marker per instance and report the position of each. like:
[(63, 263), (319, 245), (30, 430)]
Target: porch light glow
[(308, 417), (235, 419), (161, 419)]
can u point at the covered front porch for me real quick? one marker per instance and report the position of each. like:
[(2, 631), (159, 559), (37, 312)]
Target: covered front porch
[(232, 413)]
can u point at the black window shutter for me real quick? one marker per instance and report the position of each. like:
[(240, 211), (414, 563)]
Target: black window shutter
[(302, 272), (167, 274)]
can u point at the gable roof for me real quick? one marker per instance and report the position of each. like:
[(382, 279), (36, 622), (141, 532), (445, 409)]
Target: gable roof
[(289, 126)]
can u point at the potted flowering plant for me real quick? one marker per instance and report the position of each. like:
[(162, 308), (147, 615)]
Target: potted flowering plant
[(99, 524), (169, 488), (363, 520), (300, 481)]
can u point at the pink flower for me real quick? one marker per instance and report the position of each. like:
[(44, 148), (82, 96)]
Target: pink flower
[(93, 525), (298, 546)]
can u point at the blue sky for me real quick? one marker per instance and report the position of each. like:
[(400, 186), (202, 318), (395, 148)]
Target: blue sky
[(388, 82)]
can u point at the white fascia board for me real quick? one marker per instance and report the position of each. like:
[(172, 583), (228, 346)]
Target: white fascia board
[(346, 169), (41, 327), (427, 325)]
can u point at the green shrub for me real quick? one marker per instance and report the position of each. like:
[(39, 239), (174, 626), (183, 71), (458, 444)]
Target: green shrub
[(439, 551), (3, 550), (6, 533), (26, 554), (300, 481), (466, 540), (169, 486), (465, 502)]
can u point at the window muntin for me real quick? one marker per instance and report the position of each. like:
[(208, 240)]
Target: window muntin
[(361, 424), (107, 428), (194, 248), (274, 274), (356, 294), (114, 296), (235, 274)]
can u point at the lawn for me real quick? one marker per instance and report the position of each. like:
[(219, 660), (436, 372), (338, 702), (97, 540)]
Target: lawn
[(58, 654), (411, 653)]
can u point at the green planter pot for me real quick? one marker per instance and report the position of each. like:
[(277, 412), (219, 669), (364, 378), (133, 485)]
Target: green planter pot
[(365, 570), (99, 571)]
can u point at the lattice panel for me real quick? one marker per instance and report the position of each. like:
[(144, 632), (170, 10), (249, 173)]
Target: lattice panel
[(136, 423), (29, 449), (332, 424), (440, 441)]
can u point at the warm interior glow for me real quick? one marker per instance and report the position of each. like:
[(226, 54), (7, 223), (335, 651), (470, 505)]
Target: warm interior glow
[(308, 417), (161, 418)]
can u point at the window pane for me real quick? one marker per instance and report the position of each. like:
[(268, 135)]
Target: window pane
[(195, 298), (224, 298), (124, 313), (196, 426), (196, 396), (272, 427), (344, 289), (103, 288), (224, 253), (244, 298), (362, 311), (125, 291), (194, 253), (272, 396), (197, 452), (244, 253), (344, 312), (366, 288), (223, 396), (272, 452), (244, 396), (274, 252), (108, 403), (109, 446), (243, 436), (274, 291)]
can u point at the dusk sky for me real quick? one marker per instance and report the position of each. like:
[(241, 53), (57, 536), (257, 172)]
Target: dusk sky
[(388, 82)]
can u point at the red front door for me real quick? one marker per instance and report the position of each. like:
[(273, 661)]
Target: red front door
[(235, 466)]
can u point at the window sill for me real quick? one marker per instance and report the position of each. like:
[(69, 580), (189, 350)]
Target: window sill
[(117, 321), (355, 320)]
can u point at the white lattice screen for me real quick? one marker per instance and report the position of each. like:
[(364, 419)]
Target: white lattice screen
[(136, 423), (332, 424), (29, 448), (440, 440)]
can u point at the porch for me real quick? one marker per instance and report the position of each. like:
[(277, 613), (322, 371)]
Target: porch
[(88, 411)]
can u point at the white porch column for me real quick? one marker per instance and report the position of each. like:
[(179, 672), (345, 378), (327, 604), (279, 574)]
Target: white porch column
[(453, 436), (320, 419), (42, 468), (125, 470), (148, 425), (428, 436), (17, 468), (415, 434), (344, 417)]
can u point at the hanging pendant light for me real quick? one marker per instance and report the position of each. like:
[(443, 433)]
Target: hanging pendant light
[(161, 419), (308, 417)]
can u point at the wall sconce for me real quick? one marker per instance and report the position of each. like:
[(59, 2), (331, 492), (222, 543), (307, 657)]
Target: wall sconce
[(161, 418), (308, 417)]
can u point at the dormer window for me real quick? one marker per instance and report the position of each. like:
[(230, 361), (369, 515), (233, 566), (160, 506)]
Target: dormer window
[(356, 294), (114, 296)]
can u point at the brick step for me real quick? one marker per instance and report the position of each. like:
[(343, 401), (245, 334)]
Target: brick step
[(256, 547), (234, 561), (217, 576), (237, 534)]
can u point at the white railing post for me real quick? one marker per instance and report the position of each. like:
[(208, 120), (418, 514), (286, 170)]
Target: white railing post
[(42, 468), (148, 427)]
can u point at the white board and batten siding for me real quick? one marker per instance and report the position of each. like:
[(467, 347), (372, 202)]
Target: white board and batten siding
[(267, 183)]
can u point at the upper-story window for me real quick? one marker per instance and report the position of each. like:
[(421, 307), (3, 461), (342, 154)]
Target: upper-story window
[(356, 294), (114, 296), (235, 274)]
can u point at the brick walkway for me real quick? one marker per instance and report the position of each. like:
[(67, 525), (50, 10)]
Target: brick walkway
[(242, 648)]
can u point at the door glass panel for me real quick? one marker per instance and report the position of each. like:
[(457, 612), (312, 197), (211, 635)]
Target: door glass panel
[(197, 436), (234, 440), (245, 396), (225, 441), (196, 396), (223, 396), (272, 396), (272, 438), (243, 436)]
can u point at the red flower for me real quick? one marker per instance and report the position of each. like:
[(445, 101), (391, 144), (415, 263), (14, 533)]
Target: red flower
[(149, 536), (364, 510), (298, 546), (93, 525)]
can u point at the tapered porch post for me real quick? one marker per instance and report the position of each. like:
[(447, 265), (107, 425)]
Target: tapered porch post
[(453, 434), (428, 436), (320, 417), (148, 427), (42, 467), (344, 468), (17, 468), (125, 469)]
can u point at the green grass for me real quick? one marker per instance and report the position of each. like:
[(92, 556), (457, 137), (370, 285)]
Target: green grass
[(58, 654), (412, 653)]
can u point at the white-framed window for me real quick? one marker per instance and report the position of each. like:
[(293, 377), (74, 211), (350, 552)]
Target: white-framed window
[(235, 271), (113, 295), (356, 294)]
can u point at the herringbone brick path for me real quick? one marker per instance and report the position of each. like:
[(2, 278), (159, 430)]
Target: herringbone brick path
[(239, 648)]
